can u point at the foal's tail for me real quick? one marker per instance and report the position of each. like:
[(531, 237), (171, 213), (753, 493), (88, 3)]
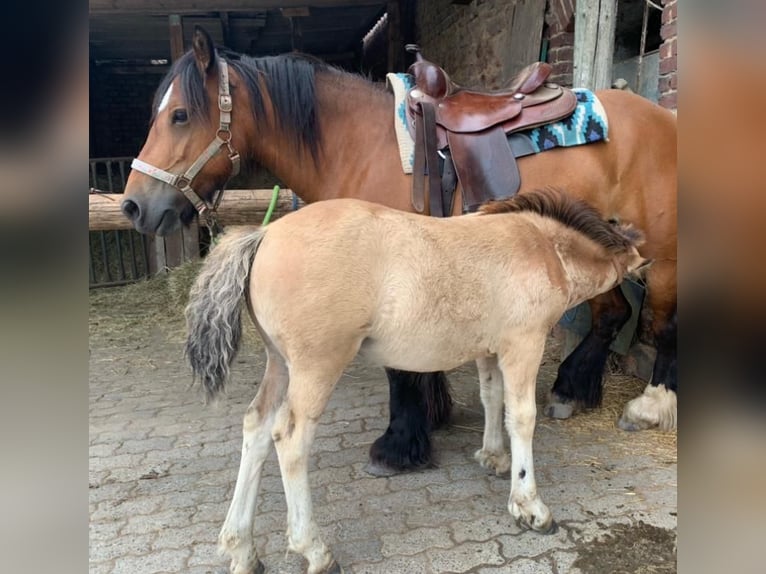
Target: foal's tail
[(213, 315)]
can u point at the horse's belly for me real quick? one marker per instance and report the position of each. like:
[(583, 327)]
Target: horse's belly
[(419, 356)]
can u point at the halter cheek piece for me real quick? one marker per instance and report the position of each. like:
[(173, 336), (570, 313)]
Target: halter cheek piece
[(183, 182)]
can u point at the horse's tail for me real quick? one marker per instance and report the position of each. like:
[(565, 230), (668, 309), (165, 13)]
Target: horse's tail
[(214, 312)]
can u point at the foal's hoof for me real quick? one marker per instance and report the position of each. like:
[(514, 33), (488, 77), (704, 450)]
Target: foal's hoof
[(552, 527), (333, 568), (559, 408), (499, 462), (259, 568)]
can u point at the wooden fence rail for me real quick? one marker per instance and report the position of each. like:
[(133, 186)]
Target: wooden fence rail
[(238, 207)]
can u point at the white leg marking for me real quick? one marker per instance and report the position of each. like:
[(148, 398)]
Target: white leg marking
[(656, 407), (236, 537), (519, 366), (493, 454), (295, 433)]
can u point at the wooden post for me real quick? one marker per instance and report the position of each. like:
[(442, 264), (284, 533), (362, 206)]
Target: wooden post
[(594, 43), (184, 245), (395, 44)]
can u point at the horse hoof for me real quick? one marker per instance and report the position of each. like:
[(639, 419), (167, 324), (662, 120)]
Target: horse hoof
[(259, 568), (397, 452), (559, 410), (498, 462), (551, 528), (333, 568), (379, 470), (630, 426)]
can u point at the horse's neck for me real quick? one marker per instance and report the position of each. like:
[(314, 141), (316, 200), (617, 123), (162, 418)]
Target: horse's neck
[(358, 143)]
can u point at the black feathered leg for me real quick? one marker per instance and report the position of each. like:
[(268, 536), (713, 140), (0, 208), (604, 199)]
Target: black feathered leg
[(419, 403), (580, 376)]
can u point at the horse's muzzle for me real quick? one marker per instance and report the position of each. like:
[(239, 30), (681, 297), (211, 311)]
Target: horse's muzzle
[(159, 221)]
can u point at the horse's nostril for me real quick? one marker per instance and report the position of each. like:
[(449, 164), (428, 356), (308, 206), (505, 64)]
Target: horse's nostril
[(130, 209)]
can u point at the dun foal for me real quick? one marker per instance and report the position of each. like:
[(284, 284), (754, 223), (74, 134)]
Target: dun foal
[(342, 277)]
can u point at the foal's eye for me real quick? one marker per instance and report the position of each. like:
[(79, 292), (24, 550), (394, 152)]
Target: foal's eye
[(180, 117)]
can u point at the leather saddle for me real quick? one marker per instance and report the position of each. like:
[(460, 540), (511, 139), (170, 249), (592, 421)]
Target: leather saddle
[(474, 126)]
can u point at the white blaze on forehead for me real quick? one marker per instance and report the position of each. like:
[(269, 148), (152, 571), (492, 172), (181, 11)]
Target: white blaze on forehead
[(165, 99)]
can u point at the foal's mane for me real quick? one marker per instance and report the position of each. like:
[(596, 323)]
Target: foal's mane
[(289, 80), (574, 213)]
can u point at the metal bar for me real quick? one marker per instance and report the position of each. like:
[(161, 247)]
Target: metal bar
[(133, 266), (122, 175), (109, 175), (145, 250), (105, 256), (118, 241), (91, 269), (93, 174)]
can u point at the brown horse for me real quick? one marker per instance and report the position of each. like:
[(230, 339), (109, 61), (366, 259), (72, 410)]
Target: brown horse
[(329, 134), (484, 287)]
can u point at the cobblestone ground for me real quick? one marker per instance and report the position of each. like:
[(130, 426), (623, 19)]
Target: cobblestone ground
[(163, 466)]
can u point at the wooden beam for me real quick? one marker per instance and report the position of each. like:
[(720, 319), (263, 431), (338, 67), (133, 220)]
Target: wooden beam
[(238, 207), (176, 37), (594, 43), (395, 44), (197, 7)]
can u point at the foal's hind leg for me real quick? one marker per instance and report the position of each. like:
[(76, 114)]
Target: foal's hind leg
[(657, 405), (520, 363), (579, 380), (293, 433), (236, 537), (492, 454)]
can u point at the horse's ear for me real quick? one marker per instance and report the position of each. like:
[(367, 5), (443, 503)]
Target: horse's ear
[(204, 50)]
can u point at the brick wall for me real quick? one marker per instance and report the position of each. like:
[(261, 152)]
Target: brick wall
[(120, 110), (467, 40), (559, 32), (669, 55)]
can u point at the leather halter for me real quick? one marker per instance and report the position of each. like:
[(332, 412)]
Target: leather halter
[(183, 182)]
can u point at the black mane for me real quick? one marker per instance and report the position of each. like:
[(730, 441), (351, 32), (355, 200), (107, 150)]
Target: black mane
[(574, 213), (288, 78)]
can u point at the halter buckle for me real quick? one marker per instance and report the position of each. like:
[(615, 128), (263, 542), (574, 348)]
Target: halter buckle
[(225, 102)]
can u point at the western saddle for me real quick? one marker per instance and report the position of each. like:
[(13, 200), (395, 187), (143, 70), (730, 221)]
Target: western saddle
[(474, 126)]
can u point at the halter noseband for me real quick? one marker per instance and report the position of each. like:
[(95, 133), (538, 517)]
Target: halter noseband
[(183, 182)]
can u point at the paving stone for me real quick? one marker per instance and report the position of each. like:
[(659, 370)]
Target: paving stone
[(154, 563), (397, 565), (465, 556), (414, 541), (529, 566), (483, 528), (529, 543), (136, 545)]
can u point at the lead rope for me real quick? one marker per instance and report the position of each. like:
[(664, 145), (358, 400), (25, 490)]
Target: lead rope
[(215, 228)]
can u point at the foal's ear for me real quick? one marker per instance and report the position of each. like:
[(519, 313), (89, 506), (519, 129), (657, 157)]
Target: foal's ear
[(204, 51)]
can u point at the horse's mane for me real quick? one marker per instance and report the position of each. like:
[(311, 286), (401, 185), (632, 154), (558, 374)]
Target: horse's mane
[(573, 213), (288, 78)]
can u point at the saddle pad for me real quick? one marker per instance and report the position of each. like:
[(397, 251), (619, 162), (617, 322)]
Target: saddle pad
[(400, 84), (587, 124)]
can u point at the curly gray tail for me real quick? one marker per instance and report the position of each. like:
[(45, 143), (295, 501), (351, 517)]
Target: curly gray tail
[(214, 312)]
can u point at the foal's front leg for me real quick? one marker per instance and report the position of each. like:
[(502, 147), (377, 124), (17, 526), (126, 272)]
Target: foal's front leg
[(519, 365), (492, 454)]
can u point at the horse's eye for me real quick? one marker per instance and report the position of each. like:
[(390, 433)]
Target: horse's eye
[(180, 117)]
